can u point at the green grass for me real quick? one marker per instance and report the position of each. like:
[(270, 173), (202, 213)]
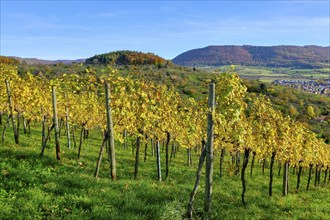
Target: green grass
[(44, 188), (267, 74)]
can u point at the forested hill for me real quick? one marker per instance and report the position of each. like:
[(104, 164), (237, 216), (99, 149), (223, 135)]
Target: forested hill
[(126, 57), (272, 56)]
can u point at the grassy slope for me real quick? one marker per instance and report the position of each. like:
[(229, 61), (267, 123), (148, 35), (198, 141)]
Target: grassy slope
[(34, 188)]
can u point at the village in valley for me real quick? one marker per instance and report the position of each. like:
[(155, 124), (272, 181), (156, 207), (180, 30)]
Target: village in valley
[(311, 86)]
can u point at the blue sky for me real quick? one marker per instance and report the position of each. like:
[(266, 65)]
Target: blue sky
[(80, 29)]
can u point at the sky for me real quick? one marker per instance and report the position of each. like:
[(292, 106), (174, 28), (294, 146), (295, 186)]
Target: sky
[(75, 29)]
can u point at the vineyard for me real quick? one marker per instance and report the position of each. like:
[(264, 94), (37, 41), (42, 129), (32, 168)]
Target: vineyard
[(155, 120)]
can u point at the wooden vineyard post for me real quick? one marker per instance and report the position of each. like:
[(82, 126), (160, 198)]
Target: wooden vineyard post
[(286, 179), (67, 126), (188, 156), (309, 176), (55, 121), (111, 142), (125, 139), (209, 150), (43, 132), (81, 139), (145, 149), (137, 151), (222, 158), (271, 174), (10, 103), (159, 172), (298, 177), (168, 138)]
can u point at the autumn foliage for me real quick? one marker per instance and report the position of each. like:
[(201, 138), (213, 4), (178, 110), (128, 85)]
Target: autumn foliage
[(126, 58)]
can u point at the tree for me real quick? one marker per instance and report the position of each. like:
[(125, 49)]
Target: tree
[(310, 111)]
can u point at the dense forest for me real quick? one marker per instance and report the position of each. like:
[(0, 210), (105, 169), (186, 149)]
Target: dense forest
[(126, 58)]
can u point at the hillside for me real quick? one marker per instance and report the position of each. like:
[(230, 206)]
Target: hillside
[(32, 61), (272, 56), (36, 185), (126, 57)]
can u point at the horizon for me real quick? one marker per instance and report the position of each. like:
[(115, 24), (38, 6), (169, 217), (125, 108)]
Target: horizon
[(163, 57), (71, 30)]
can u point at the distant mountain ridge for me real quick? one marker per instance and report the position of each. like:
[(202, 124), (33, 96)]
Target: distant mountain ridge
[(40, 61), (272, 56)]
